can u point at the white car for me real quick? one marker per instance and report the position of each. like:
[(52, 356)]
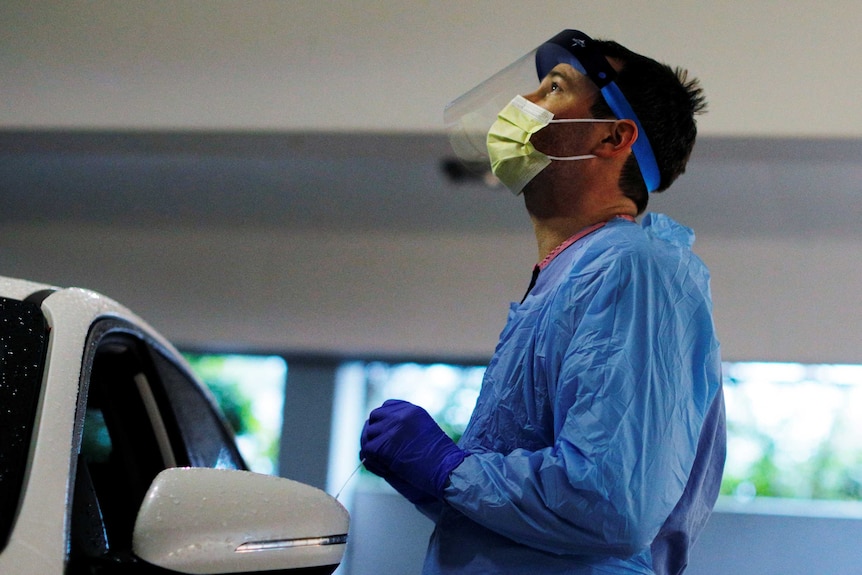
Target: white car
[(115, 459)]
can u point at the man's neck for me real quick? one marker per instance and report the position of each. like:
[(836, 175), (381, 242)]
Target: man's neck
[(566, 197), (554, 230)]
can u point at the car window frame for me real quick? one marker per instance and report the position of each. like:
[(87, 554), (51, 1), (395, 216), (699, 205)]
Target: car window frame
[(163, 377)]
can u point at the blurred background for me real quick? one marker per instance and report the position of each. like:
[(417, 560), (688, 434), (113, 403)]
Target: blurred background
[(268, 184)]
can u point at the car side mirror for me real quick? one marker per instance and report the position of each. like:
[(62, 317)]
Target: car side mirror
[(202, 520)]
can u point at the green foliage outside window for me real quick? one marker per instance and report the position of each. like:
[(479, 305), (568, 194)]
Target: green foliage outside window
[(794, 430), (250, 391), (447, 392)]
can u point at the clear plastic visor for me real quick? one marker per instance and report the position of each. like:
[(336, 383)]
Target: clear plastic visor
[(469, 117)]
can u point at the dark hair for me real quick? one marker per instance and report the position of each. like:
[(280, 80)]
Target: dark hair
[(666, 102)]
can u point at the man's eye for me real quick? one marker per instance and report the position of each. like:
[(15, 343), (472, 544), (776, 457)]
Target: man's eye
[(554, 87)]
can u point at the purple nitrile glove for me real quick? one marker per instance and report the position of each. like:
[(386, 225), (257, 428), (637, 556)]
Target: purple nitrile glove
[(412, 494), (401, 441)]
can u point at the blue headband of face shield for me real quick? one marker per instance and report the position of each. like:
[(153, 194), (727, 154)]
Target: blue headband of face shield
[(574, 48)]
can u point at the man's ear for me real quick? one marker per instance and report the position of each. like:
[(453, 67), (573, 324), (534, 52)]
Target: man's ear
[(618, 139)]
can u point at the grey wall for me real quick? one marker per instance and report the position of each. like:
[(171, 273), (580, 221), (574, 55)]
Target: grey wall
[(786, 263), (414, 293), (389, 538), (770, 68), (778, 545)]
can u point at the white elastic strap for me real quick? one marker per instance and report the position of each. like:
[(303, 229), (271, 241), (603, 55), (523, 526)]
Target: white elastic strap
[(578, 121), (584, 157)]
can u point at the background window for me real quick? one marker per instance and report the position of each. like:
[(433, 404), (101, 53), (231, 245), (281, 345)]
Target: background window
[(794, 430), (250, 391), (447, 391)]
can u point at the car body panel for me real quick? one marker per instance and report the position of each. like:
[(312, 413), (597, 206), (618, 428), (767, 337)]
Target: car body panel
[(40, 535), (79, 322)]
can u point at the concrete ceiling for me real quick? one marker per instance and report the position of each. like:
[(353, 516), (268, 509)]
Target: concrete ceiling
[(770, 68)]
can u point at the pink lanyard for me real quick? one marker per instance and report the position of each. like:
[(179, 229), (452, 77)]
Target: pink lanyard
[(584, 232), (556, 251)]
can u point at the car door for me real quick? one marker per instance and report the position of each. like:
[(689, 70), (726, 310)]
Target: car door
[(142, 412)]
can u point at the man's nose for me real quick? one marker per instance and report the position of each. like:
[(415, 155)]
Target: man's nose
[(533, 97)]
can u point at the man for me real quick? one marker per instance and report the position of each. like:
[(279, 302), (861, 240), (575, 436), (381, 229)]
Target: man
[(597, 443)]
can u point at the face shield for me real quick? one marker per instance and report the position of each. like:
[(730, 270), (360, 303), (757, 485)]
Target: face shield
[(469, 117)]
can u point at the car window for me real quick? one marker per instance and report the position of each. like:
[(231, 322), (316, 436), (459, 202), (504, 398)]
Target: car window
[(202, 426), (23, 344), (144, 413)]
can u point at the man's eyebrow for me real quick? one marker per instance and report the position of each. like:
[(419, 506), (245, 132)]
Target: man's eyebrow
[(555, 73)]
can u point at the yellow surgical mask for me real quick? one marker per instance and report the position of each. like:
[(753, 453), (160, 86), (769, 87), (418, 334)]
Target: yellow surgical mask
[(514, 160)]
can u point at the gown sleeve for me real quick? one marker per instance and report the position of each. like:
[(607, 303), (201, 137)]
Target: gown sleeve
[(632, 381)]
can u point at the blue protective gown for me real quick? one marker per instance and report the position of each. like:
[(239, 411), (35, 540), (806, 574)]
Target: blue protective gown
[(597, 443)]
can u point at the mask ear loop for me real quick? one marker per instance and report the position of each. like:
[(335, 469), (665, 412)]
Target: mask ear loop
[(571, 158), (578, 121)]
